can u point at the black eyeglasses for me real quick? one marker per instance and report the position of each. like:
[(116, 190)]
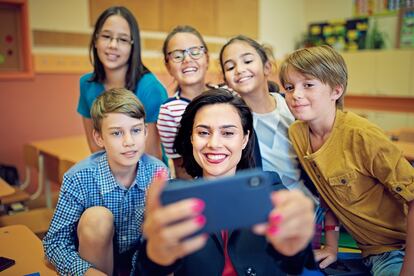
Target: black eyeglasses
[(195, 52), (107, 39)]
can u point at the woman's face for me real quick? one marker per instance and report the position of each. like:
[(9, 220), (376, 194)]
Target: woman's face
[(114, 43), (243, 68), (218, 139), (192, 69)]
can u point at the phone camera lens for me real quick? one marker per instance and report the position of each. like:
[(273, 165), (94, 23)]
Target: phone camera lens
[(254, 181)]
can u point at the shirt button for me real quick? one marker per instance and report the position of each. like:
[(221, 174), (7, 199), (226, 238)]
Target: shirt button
[(398, 189), (250, 271), (124, 238), (125, 218)]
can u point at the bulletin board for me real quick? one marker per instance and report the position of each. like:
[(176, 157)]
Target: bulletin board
[(341, 34), (406, 28), (15, 53)]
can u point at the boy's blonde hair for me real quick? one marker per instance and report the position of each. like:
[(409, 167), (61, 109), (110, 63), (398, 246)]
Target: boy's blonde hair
[(116, 100), (322, 63)]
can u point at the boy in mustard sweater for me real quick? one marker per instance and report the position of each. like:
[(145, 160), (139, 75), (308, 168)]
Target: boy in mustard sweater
[(360, 175)]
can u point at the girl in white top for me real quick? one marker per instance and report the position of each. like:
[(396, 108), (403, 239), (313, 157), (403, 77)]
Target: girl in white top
[(246, 67)]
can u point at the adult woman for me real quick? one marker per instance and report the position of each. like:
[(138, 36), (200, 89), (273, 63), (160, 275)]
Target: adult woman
[(215, 140)]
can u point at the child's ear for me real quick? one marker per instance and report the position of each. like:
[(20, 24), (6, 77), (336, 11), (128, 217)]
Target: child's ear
[(267, 68), (337, 92), (97, 136)]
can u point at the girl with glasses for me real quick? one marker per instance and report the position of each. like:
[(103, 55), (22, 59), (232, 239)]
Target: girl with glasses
[(186, 59), (115, 53)]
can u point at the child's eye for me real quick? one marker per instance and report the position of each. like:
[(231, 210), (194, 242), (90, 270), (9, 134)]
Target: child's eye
[(228, 67), (288, 88), (136, 130), (247, 61), (124, 40), (308, 85), (116, 133)]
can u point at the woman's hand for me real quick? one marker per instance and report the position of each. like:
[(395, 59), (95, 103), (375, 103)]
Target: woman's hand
[(325, 256), (291, 223), (165, 227)]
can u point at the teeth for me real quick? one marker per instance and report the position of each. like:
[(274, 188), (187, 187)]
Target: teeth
[(215, 156), (244, 79), (189, 69), (111, 57)]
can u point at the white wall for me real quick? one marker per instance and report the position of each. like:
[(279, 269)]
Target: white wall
[(281, 24)]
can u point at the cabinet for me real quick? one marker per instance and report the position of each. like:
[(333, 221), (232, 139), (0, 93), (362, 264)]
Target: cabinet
[(386, 120), (383, 73)]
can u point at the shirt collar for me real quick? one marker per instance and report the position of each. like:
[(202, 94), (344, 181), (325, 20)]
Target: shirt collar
[(108, 181)]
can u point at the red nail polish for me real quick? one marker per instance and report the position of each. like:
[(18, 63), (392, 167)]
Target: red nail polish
[(272, 230), (275, 218), (198, 205), (200, 220), (160, 173)]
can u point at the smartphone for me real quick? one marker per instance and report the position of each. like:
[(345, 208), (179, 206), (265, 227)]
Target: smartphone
[(239, 201), (6, 263)]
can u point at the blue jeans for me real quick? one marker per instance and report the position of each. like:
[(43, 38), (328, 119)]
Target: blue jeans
[(385, 264)]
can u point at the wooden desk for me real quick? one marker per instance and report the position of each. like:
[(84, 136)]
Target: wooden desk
[(5, 188), (23, 246), (407, 148), (58, 154)]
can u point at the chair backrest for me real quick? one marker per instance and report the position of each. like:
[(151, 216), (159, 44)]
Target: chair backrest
[(65, 165), (51, 169), (31, 163), (30, 155)]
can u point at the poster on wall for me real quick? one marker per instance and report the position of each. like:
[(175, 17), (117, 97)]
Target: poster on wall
[(406, 28), (15, 47), (343, 35), (10, 53)]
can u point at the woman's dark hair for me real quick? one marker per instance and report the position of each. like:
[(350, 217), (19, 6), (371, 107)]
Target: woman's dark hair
[(181, 29), (261, 50), (135, 67), (183, 145)]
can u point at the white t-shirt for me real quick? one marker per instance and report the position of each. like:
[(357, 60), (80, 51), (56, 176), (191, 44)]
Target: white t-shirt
[(276, 149)]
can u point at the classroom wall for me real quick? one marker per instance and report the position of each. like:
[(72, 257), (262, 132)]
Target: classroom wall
[(281, 24)]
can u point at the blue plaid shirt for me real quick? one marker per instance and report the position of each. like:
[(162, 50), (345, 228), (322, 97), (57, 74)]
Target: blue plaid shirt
[(91, 183)]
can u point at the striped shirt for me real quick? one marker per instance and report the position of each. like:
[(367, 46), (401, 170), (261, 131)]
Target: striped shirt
[(169, 120), (91, 183)]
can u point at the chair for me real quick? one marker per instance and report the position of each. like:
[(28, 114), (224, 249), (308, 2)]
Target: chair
[(37, 220), (20, 195)]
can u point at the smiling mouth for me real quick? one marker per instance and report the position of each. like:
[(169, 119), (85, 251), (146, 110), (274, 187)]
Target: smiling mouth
[(243, 79), (130, 153), (189, 70), (215, 158), (112, 57)]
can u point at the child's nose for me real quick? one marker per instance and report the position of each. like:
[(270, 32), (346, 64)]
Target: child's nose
[(128, 140)]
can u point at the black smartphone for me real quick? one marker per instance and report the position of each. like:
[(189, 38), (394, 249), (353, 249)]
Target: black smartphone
[(234, 202), (6, 263)]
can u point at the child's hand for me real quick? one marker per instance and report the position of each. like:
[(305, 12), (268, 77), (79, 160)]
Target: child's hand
[(164, 234), (325, 256), (291, 225)]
